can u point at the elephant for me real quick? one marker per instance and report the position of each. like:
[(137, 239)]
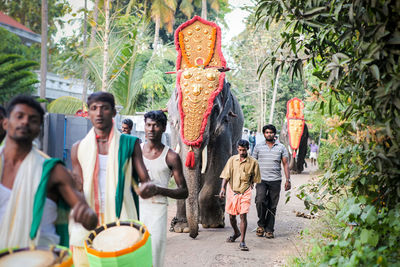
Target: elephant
[(222, 132), (296, 165)]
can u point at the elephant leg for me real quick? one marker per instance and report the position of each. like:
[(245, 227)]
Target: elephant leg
[(179, 224), (211, 207)]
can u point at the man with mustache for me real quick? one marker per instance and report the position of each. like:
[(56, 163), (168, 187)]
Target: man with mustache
[(97, 161), (241, 172), (270, 154), (32, 184)]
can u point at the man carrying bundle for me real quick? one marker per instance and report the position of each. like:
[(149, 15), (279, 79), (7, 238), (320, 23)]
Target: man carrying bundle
[(100, 161), (32, 184)]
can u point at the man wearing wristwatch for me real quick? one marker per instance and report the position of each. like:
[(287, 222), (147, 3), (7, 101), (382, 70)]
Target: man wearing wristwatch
[(270, 154)]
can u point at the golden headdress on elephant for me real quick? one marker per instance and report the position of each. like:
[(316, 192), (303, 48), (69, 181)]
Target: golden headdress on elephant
[(199, 80), (295, 123)]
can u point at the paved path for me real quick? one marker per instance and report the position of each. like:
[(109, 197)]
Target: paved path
[(210, 249)]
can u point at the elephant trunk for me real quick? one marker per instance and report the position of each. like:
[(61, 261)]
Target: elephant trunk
[(192, 202)]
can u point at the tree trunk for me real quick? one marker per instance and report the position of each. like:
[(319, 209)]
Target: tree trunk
[(156, 34), (105, 51), (43, 56), (271, 115), (94, 26), (204, 9), (85, 68)]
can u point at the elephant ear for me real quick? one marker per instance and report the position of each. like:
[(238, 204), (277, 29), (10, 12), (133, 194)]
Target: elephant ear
[(224, 106)]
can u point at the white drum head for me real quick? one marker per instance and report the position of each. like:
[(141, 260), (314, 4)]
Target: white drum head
[(28, 258), (116, 238)]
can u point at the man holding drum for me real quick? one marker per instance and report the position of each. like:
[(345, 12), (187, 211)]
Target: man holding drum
[(32, 184), (161, 162), (99, 161)]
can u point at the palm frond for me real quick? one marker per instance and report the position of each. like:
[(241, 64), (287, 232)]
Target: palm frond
[(68, 105)]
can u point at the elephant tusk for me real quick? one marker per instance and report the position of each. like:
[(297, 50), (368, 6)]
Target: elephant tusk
[(204, 160), (178, 148)]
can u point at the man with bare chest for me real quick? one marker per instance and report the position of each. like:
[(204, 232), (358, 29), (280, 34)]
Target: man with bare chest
[(98, 161), (161, 162), (32, 184)]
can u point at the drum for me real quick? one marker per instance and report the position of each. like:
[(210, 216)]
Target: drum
[(36, 257), (125, 243)]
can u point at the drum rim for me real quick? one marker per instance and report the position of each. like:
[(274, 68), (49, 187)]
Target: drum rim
[(55, 249), (108, 254)]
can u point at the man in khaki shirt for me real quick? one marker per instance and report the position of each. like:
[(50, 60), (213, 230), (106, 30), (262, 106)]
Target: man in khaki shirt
[(241, 171)]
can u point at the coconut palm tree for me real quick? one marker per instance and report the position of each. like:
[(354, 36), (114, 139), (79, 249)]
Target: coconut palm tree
[(43, 56), (162, 12)]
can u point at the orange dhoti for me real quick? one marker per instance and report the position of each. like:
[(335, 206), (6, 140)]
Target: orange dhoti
[(237, 203)]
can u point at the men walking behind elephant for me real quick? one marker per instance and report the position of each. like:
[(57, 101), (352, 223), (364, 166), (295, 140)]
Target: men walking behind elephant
[(160, 162), (270, 154), (97, 162), (32, 184), (241, 172)]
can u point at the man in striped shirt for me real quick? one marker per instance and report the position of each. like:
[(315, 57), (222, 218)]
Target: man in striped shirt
[(270, 154)]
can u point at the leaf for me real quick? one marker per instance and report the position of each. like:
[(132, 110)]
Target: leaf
[(369, 214), (375, 71), (369, 237)]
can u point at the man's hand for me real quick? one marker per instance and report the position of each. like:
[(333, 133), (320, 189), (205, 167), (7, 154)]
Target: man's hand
[(288, 185), (146, 190), (85, 215), (222, 193)]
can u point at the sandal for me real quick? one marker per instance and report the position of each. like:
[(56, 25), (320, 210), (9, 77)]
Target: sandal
[(232, 238), (243, 246), (260, 231)]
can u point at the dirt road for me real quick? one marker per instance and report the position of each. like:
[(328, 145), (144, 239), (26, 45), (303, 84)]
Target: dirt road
[(210, 249)]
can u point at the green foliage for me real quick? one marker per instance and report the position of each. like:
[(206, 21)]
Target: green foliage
[(66, 105), (11, 44), (28, 13), (324, 155), (15, 76), (354, 49)]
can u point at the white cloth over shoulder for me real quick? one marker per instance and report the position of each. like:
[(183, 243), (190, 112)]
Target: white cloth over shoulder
[(17, 207), (89, 161)]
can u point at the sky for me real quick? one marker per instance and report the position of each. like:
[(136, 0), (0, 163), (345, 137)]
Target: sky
[(235, 19)]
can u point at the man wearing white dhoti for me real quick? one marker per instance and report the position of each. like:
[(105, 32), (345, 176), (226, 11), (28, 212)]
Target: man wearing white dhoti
[(103, 163), (160, 162), (32, 185)]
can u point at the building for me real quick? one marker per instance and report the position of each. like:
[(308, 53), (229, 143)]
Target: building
[(57, 86), (27, 36)]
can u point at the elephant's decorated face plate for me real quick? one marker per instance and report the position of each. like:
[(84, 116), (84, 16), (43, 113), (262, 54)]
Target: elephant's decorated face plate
[(198, 43), (198, 88), (295, 121)]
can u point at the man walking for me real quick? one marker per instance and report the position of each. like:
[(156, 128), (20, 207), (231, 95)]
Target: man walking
[(161, 162), (313, 153), (241, 172), (32, 184), (270, 155)]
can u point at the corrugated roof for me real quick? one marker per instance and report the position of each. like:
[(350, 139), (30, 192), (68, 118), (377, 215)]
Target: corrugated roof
[(12, 22)]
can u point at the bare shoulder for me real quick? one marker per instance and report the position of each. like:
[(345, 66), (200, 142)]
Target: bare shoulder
[(59, 174), (74, 148), (172, 156)]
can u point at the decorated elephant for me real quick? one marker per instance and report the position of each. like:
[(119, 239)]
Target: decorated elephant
[(296, 164), (294, 135), (206, 122)]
